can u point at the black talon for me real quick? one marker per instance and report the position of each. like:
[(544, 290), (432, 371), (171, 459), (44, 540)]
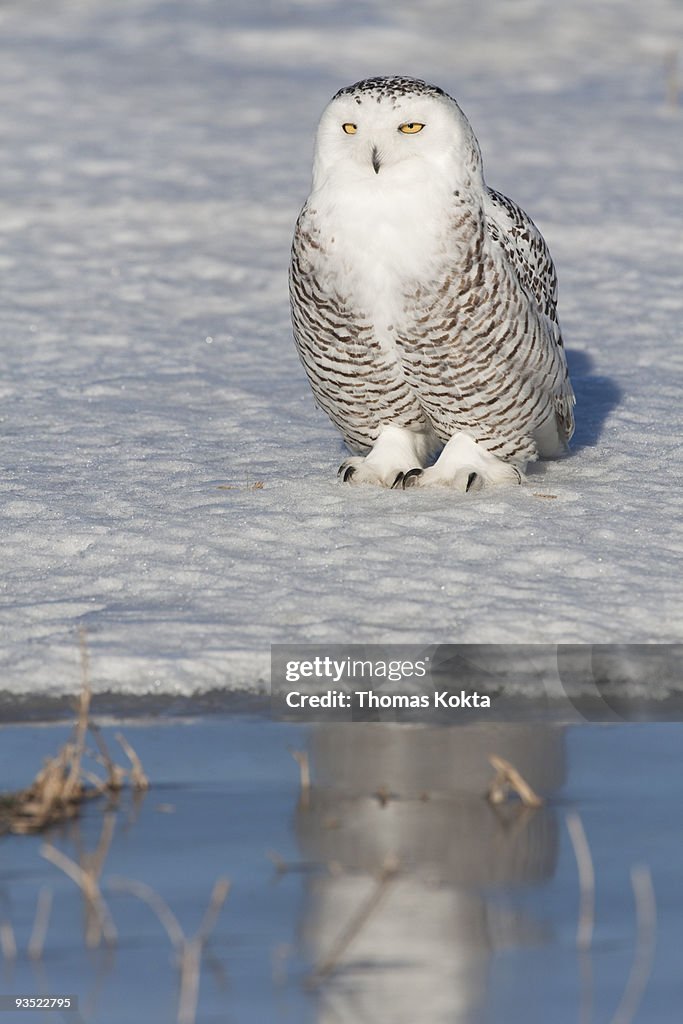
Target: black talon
[(350, 470), (470, 480), (397, 481), (410, 478)]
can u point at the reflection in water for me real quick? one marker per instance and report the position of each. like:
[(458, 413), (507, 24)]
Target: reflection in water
[(416, 794)]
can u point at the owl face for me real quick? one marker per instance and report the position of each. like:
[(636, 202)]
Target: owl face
[(379, 134)]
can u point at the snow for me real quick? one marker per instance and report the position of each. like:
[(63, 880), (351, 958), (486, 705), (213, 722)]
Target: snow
[(168, 483)]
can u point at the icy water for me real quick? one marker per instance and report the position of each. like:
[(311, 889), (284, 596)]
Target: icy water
[(479, 924)]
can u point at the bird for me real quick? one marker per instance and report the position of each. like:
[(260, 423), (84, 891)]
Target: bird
[(423, 302)]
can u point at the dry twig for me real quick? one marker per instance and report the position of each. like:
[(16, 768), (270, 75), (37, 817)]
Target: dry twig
[(72, 784), (508, 779), (188, 950), (138, 778), (584, 863), (8, 943), (116, 775), (156, 903), (40, 923), (100, 924), (360, 918), (643, 958), (301, 758)]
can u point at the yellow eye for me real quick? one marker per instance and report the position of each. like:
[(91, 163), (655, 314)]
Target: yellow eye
[(349, 128), (411, 127)]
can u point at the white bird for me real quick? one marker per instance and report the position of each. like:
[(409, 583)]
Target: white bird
[(423, 302)]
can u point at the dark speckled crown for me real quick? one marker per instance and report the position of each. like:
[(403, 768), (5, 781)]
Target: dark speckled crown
[(389, 87)]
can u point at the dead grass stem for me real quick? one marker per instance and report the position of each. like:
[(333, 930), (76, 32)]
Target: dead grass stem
[(301, 758), (41, 921), (99, 923), (386, 877), (507, 780), (188, 950), (643, 958), (138, 779), (8, 942), (584, 863)]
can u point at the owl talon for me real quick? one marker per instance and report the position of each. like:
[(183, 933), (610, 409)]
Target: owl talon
[(410, 478), (346, 470), (397, 481)]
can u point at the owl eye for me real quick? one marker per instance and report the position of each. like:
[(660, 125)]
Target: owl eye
[(349, 128), (411, 127)]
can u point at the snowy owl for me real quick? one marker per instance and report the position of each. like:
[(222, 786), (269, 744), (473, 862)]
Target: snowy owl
[(423, 302)]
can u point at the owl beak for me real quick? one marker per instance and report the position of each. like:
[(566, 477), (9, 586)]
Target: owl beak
[(376, 162)]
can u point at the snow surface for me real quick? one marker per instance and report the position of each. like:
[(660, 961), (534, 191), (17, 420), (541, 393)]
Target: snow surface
[(167, 480)]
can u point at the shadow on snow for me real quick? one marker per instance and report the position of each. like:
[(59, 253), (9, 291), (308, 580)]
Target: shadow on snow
[(596, 397)]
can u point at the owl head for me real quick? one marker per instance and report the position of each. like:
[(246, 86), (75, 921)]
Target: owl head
[(395, 129)]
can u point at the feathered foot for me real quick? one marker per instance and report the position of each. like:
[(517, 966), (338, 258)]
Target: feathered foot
[(464, 466), (395, 454)]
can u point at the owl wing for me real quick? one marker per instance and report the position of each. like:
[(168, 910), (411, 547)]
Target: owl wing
[(526, 252)]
